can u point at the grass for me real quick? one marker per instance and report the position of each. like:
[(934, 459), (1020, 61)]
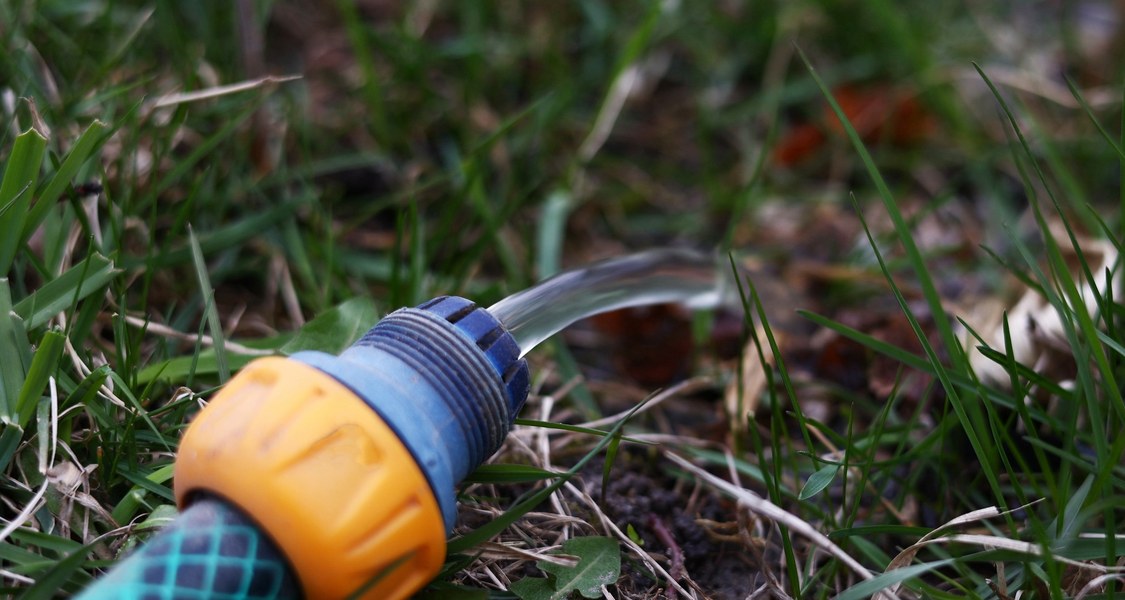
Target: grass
[(152, 242)]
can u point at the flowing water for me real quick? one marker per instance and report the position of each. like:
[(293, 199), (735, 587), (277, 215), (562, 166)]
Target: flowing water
[(694, 279)]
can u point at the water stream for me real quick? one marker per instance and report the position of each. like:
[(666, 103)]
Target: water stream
[(687, 277)]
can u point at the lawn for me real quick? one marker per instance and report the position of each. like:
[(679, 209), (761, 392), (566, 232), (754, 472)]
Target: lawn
[(910, 387)]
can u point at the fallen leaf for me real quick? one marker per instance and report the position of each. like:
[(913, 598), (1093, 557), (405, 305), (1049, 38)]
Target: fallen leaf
[(880, 113), (1038, 336)]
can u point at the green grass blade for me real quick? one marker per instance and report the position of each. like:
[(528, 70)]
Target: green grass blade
[(214, 322), (1072, 306), (1094, 119), (552, 226), (218, 239), (77, 283), (20, 175), (607, 466), (356, 30), (86, 145), (968, 415), (469, 540), (576, 429), (902, 229), (417, 256), (43, 365), (181, 369), (967, 408), (206, 148), (131, 503), (59, 577), (568, 368), (868, 588), (12, 347), (753, 305), (497, 473), (922, 364)]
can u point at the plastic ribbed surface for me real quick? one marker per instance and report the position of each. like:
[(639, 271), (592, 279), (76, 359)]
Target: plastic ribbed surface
[(490, 336), (465, 384), (446, 377), (211, 551)]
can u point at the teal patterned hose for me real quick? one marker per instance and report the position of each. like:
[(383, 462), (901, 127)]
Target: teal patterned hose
[(211, 551)]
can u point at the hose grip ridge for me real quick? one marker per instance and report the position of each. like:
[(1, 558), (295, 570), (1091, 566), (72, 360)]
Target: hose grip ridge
[(328, 481)]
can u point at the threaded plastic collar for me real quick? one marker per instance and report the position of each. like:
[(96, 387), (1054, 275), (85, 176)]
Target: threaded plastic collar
[(446, 377), (490, 336)]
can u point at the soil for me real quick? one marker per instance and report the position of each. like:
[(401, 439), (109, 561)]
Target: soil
[(670, 522)]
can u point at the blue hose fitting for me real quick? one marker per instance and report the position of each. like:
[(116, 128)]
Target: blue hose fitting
[(446, 376)]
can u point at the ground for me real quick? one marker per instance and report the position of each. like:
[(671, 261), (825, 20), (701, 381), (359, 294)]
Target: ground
[(920, 203)]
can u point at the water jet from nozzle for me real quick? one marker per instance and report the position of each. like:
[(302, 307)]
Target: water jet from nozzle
[(687, 277)]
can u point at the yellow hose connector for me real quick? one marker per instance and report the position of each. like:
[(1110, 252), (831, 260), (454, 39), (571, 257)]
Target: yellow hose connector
[(323, 475)]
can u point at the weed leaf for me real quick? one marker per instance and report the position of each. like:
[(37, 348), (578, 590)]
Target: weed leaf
[(599, 563), (818, 481), (335, 329)]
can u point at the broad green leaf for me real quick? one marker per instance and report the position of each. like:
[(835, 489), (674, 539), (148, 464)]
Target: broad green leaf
[(20, 175), (78, 282), (335, 329), (536, 588), (161, 516), (599, 563), (818, 481)]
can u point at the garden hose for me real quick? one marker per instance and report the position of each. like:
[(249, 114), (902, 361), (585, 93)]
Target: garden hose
[(324, 476)]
